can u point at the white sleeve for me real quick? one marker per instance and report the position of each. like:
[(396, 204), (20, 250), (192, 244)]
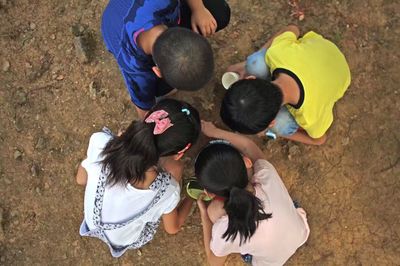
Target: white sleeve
[(173, 198), (97, 143)]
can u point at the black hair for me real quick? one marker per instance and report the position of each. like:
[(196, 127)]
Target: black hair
[(250, 105), (129, 156), (221, 170), (184, 58)]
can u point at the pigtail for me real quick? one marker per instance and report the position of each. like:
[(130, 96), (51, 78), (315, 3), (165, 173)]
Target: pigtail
[(244, 211), (127, 157)]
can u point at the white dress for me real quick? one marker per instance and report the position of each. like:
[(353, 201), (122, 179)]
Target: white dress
[(122, 216)]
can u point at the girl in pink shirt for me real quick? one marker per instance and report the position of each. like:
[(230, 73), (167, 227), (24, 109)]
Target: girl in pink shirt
[(252, 212)]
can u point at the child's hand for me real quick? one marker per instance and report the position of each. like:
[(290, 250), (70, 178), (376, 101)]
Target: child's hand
[(208, 128), (239, 68), (202, 204), (204, 21)]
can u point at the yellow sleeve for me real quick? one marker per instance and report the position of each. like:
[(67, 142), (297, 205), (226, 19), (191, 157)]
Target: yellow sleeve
[(287, 36)]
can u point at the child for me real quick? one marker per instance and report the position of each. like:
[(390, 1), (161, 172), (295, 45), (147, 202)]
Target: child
[(309, 75), (257, 219), (132, 180), (138, 34)]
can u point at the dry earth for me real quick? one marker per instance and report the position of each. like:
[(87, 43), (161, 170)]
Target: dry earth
[(51, 102)]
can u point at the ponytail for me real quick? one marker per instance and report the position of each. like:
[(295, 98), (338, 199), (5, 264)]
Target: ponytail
[(244, 211), (221, 170), (129, 156)]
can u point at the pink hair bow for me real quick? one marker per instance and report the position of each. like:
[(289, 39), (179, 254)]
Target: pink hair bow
[(160, 118)]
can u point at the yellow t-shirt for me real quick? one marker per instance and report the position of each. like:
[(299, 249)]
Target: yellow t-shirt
[(321, 72)]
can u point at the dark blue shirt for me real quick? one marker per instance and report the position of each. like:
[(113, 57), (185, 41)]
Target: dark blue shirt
[(122, 22)]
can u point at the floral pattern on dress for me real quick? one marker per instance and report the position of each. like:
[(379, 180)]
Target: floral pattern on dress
[(159, 185)]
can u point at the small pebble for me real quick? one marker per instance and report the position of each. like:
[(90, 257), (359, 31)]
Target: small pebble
[(93, 90), (139, 252), (40, 144), (6, 66), (17, 155), (53, 36), (18, 124), (20, 97), (60, 77), (82, 49), (32, 26), (345, 141), (35, 170), (77, 30)]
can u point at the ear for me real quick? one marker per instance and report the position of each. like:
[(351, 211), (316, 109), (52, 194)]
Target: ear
[(157, 71), (178, 156), (262, 133), (272, 124), (247, 162), (209, 194), (250, 77)]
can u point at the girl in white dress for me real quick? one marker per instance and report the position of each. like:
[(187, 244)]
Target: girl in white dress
[(132, 180)]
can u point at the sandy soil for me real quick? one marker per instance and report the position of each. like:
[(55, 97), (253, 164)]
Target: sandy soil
[(51, 102)]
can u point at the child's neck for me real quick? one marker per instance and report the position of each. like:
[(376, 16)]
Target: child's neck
[(146, 39), (149, 177), (289, 88)]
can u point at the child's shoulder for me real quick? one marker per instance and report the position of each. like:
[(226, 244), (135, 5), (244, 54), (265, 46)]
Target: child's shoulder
[(216, 210), (99, 139)]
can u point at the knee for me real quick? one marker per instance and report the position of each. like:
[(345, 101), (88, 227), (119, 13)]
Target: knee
[(223, 15)]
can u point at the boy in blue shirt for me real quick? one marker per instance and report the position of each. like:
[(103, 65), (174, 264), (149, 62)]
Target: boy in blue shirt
[(144, 38)]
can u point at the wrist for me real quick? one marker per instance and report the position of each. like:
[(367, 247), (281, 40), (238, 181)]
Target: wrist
[(195, 5)]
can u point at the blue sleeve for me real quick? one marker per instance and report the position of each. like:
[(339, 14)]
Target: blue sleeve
[(141, 87)]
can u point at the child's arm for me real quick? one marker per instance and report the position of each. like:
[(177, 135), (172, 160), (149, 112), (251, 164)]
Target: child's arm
[(201, 18), (174, 220), (245, 145), (207, 228), (81, 176), (293, 28), (303, 137), (240, 68)]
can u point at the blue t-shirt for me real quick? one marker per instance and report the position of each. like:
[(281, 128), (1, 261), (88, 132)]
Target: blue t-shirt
[(122, 22)]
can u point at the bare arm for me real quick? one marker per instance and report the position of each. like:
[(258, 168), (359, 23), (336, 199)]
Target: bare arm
[(240, 67), (292, 28), (174, 220), (81, 176), (245, 145), (207, 228)]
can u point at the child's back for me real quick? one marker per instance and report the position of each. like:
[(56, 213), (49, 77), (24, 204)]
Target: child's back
[(132, 180), (122, 203), (321, 72)]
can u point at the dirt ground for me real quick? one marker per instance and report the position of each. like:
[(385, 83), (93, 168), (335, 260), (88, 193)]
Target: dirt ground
[(52, 101)]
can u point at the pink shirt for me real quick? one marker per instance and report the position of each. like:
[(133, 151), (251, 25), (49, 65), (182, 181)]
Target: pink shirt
[(277, 238)]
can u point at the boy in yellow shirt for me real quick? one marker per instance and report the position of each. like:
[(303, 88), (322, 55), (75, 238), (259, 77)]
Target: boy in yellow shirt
[(309, 74)]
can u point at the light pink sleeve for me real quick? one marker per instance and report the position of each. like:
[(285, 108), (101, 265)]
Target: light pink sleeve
[(218, 245)]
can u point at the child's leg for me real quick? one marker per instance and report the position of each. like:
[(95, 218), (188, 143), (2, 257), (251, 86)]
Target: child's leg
[(285, 125), (218, 8), (256, 66)]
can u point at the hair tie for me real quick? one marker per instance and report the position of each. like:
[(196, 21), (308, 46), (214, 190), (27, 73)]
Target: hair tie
[(185, 149), (185, 110), (219, 141), (161, 119)]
